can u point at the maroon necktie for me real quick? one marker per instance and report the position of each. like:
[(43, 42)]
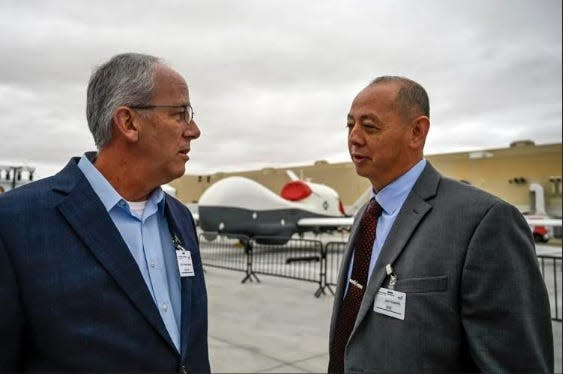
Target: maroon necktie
[(356, 287)]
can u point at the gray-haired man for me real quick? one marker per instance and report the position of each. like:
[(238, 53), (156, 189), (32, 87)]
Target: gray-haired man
[(99, 268)]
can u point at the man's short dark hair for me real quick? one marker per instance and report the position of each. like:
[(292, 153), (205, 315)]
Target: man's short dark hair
[(411, 99)]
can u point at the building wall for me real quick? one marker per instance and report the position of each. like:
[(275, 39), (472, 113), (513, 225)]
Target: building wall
[(505, 172), (14, 176), (508, 172)]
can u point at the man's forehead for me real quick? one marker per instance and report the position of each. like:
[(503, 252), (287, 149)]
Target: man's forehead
[(167, 74), (169, 81)]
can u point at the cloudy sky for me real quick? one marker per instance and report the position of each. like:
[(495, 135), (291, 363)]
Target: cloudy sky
[(271, 81)]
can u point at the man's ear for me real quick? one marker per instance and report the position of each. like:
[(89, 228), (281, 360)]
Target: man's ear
[(125, 121), (419, 130)]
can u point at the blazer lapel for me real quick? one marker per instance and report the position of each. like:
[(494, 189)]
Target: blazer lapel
[(86, 214), (187, 240), (411, 214)]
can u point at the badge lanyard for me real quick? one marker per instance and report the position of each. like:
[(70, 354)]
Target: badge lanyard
[(184, 258), (388, 301)]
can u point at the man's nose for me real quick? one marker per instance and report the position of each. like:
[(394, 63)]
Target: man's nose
[(192, 130), (354, 136)]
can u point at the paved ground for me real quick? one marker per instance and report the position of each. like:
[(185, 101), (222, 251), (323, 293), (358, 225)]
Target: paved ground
[(276, 326), (273, 326)]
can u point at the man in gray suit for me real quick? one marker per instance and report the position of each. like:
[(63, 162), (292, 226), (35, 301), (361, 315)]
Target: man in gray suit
[(451, 282)]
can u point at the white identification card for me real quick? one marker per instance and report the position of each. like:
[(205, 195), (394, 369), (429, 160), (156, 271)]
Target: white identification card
[(391, 303), (185, 264)]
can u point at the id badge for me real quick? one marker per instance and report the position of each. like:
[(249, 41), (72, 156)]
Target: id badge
[(391, 303), (185, 265)]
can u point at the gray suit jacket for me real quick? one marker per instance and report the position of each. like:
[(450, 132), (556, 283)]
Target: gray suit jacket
[(475, 299)]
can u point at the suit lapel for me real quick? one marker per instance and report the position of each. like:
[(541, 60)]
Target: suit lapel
[(173, 217), (410, 216), (86, 214)]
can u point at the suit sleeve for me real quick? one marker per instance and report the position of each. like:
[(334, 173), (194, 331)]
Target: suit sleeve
[(504, 302), (11, 316)]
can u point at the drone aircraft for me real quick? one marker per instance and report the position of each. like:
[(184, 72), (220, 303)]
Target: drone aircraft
[(239, 205), (242, 206)]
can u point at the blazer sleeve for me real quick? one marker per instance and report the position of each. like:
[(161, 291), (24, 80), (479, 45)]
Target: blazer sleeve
[(11, 316), (504, 302)]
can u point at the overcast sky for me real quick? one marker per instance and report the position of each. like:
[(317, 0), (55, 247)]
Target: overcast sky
[(271, 82)]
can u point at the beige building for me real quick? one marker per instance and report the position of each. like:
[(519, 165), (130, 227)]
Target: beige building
[(505, 172)]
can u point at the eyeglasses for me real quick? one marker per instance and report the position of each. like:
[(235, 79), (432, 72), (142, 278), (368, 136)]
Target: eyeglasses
[(188, 112)]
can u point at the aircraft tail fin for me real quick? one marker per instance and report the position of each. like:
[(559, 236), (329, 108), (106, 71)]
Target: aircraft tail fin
[(292, 175), (364, 197)]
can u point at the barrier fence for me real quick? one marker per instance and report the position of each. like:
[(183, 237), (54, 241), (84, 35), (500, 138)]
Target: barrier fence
[(550, 267), (312, 261)]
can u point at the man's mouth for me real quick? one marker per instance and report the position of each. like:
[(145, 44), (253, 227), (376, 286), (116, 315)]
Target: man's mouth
[(356, 157), (184, 152)]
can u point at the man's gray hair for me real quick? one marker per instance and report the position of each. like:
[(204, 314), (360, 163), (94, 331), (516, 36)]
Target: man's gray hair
[(126, 79)]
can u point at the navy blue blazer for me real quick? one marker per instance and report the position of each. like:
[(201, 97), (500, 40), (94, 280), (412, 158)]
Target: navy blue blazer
[(72, 297)]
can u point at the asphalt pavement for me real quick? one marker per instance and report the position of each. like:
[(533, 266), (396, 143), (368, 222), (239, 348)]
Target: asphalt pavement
[(275, 326)]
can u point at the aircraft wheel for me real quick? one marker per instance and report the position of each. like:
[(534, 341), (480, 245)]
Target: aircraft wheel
[(210, 236), (539, 238)]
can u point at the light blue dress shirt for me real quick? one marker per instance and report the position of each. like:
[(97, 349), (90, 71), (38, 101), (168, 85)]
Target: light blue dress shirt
[(149, 240), (391, 199)]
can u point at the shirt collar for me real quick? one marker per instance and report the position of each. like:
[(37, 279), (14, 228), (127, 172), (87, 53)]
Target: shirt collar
[(105, 191), (392, 196)]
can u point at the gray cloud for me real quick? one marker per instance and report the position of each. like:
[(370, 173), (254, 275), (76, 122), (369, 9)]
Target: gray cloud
[(272, 81)]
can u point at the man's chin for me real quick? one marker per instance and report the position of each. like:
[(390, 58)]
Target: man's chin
[(178, 173), (361, 171), (174, 174)]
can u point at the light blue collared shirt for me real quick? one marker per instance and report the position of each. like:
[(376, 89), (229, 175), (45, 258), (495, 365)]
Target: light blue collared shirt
[(149, 240), (391, 199)]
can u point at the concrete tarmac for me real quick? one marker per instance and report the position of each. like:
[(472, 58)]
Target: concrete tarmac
[(276, 326)]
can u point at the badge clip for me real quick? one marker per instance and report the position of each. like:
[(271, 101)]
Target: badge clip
[(177, 243), (392, 276)]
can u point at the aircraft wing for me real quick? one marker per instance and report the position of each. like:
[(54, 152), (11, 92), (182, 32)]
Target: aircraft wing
[(326, 222), (543, 221), (347, 222)]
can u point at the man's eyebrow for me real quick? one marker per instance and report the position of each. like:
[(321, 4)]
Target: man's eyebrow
[(370, 116)]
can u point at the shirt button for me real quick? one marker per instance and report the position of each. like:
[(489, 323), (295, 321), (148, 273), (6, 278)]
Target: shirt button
[(153, 263), (165, 307)]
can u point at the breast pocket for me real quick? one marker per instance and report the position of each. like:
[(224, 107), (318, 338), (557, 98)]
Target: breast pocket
[(419, 285)]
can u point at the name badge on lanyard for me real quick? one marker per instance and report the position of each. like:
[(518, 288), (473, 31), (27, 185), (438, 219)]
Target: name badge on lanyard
[(388, 301), (184, 259)]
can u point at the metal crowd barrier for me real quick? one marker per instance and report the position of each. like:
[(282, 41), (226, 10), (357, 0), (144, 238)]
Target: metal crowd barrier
[(301, 259), (222, 251), (334, 252), (311, 261), (550, 267)]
